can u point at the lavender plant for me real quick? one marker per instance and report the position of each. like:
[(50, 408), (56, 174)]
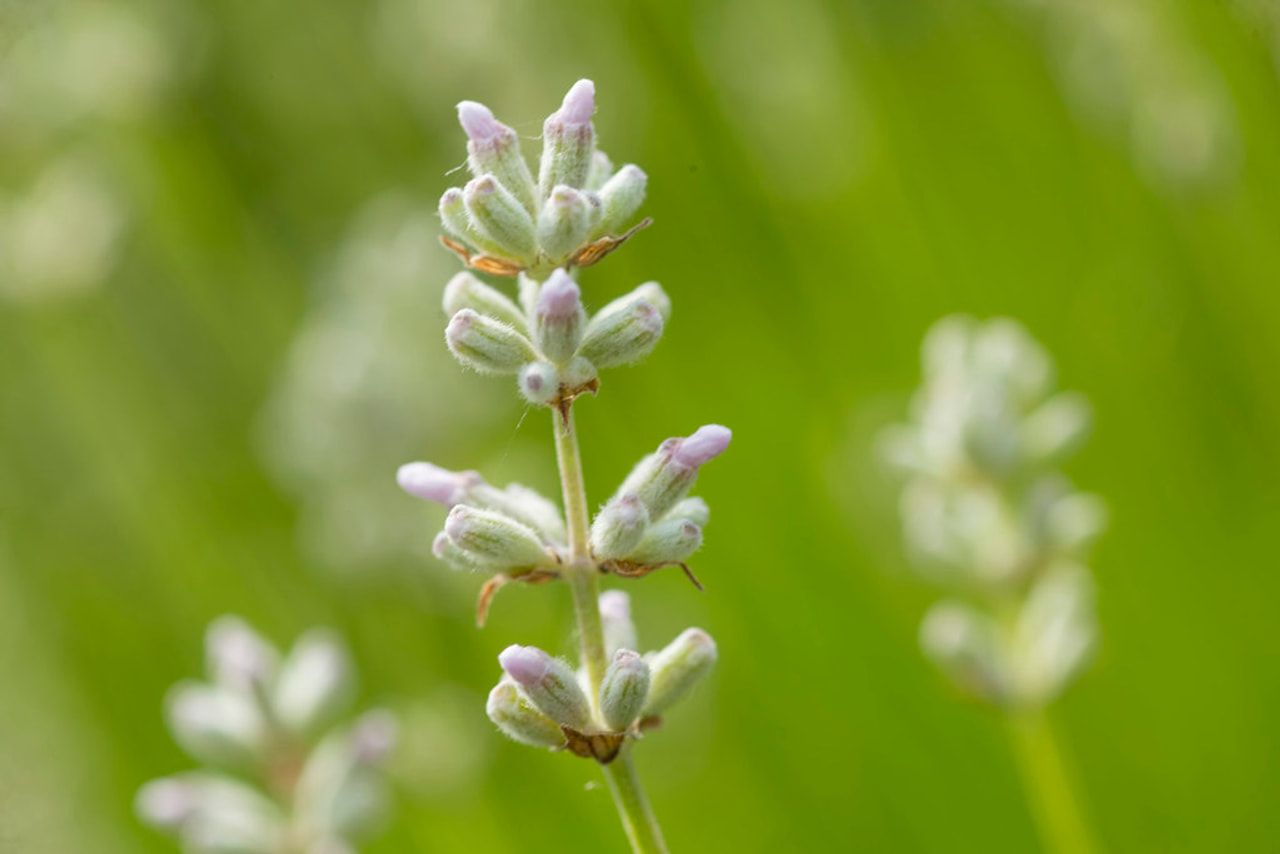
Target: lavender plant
[(542, 231), (987, 514), (282, 775)]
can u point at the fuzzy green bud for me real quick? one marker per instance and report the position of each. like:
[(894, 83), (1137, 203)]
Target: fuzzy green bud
[(564, 223), (539, 383), (615, 616), (558, 317), (487, 345), (514, 714), (549, 683), (456, 221), (466, 291), (494, 537), (650, 292), (665, 477), (499, 217), (622, 337), (677, 668), (618, 527), (672, 540), (459, 558), (694, 509), (623, 690), (622, 196), (494, 149), (568, 141), (578, 372)]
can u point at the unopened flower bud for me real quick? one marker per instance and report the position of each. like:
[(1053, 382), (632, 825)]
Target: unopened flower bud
[(622, 196), (487, 345), (677, 668), (966, 646), (494, 537), (432, 483), (493, 148), (601, 169), (669, 541), (694, 509), (578, 372), (615, 615), (550, 683), (568, 140), (622, 337), (316, 683), (215, 725), (665, 477), (456, 221), (498, 216), (618, 527), (559, 317), (457, 557), (466, 291), (237, 657), (539, 383), (564, 223), (519, 720), (623, 690), (1055, 429)]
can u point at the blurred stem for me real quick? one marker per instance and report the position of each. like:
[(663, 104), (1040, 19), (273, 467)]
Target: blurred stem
[(624, 783), (1054, 803)]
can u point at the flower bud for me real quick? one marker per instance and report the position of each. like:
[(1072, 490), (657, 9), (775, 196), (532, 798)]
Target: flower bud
[(568, 140), (623, 690), (494, 537), (432, 483), (1075, 521), (493, 148), (578, 373), (618, 527), (459, 558), (615, 615), (622, 337), (466, 291), (677, 668), (237, 657), (316, 683), (539, 383), (965, 645), (525, 505), (515, 715), (549, 683), (564, 223), (1055, 429), (693, 509), (499, 217), (663, 478), (216, 725), (601, 169), (558, 317), (670, 541), (487, 345), (456, 221), (622, 196)]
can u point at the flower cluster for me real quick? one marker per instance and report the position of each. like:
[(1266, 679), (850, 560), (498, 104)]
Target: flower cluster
[(503, 222), (986, 512), (284, 776), (516, 534), (541, 701)]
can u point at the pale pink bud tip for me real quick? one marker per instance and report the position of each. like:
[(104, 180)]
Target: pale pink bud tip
[(460, 323), (455, 523), (579, 103), (478, 122), (563, 195), (615, 605), (484, 185), (525, 664), (429, 482), (704, 445), (560, 296)]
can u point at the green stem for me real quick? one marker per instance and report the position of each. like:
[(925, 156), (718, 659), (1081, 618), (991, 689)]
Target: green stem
[(1054, 803), (624, 783)]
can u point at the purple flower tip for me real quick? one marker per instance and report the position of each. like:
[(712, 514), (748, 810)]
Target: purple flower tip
[(478, 122), (459, 324), (525, 664), (429, 482), (579, 103), (560, 296), (690, 531), (704, 445), (615, 605), (455, 523)]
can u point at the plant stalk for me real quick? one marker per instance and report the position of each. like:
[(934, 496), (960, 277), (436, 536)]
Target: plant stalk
[(1054, 803), (637, 816)]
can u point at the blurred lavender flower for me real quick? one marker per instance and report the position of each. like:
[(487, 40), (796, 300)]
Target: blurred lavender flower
[(284, 775)]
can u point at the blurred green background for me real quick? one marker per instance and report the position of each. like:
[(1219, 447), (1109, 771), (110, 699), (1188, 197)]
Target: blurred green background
[(220, 333)]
